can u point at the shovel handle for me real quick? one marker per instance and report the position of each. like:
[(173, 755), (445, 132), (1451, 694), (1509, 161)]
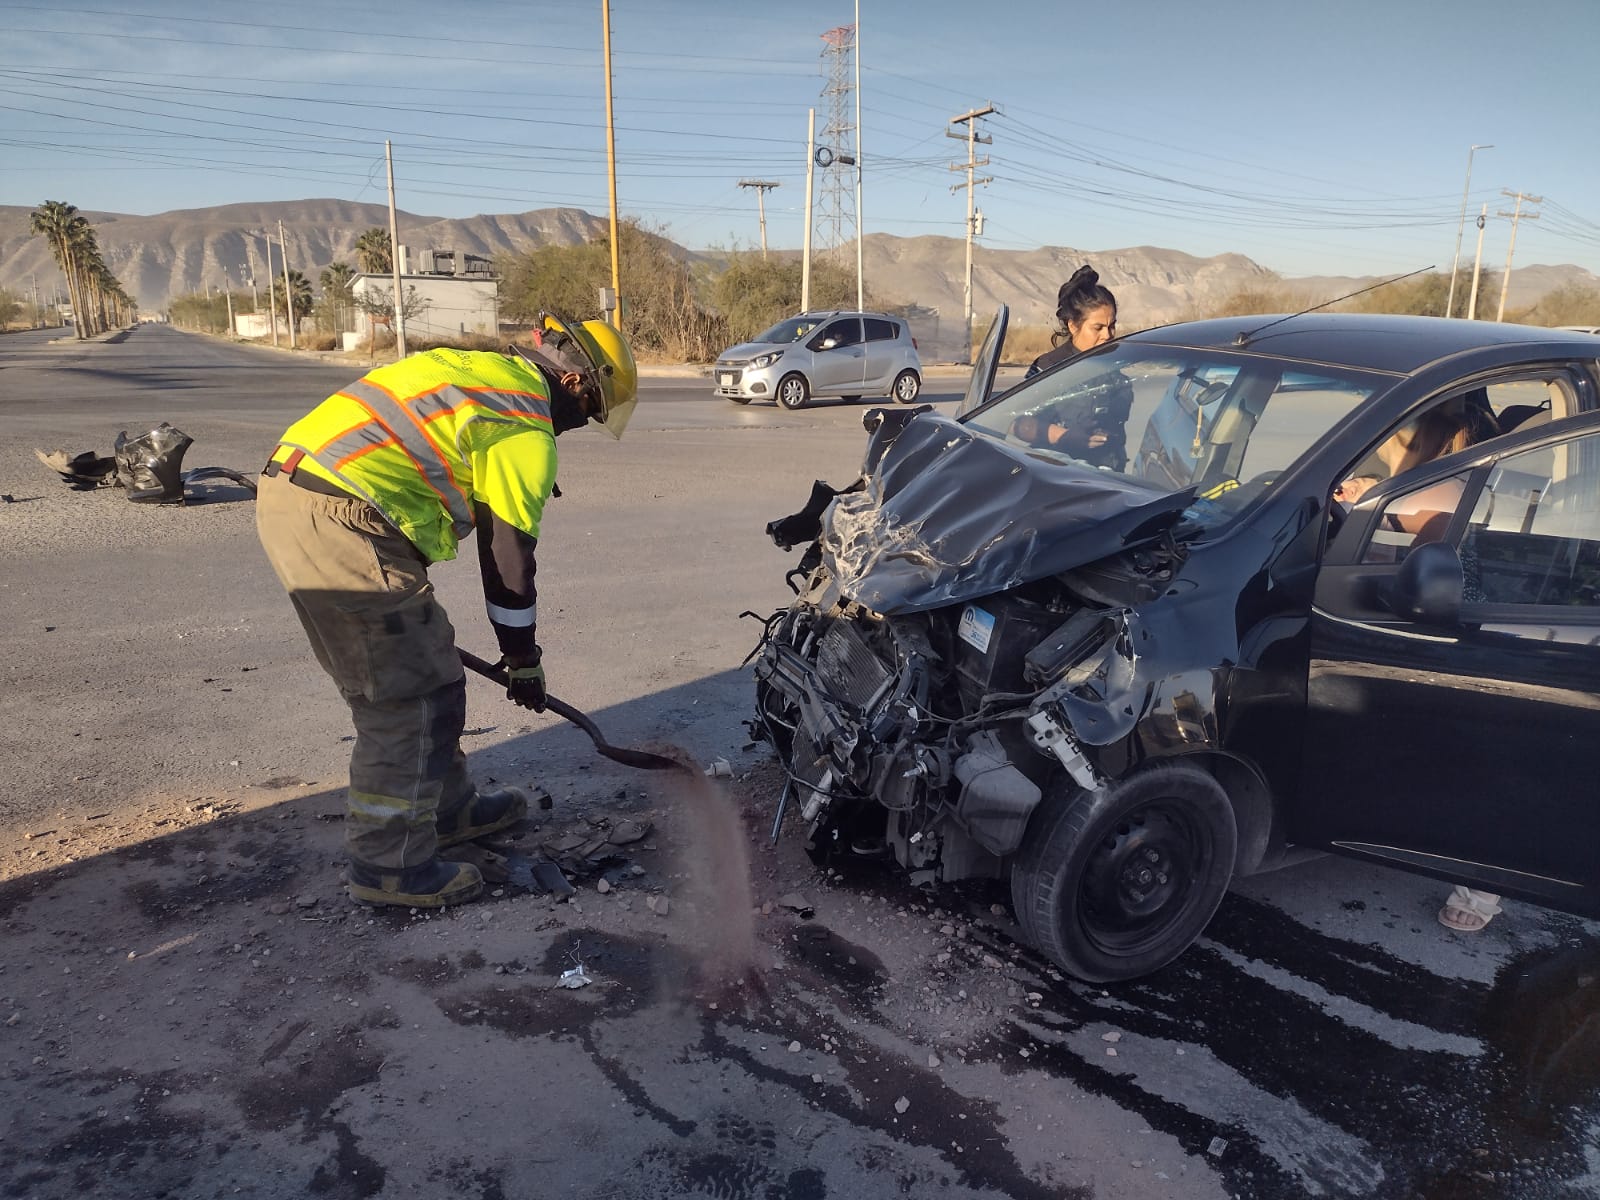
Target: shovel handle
[(632, 758)]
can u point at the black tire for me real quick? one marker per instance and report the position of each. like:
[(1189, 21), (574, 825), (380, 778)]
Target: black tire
[(1114, 885), (793, 392), (907, 387)]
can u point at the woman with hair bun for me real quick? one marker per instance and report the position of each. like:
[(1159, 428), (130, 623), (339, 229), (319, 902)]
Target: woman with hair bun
[(1090, 425), (1086, 316)]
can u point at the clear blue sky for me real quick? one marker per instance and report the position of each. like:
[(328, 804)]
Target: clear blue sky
[(1316, 138)]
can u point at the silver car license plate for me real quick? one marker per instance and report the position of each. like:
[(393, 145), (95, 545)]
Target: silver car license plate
[(726, 379)]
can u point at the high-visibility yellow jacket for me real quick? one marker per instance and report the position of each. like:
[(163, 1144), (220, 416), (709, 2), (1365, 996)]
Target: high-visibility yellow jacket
[(426, 438)]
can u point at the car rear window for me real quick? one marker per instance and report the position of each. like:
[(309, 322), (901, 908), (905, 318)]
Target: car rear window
[(879, 330)]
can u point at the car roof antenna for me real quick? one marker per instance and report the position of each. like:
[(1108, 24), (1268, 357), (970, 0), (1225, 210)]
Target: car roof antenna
[(1249, 335)]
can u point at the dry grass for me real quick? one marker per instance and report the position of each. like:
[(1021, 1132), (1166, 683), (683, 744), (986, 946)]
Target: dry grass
[(1024, 343)]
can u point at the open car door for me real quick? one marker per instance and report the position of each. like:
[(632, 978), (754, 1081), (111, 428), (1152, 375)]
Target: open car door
[(985, 365)]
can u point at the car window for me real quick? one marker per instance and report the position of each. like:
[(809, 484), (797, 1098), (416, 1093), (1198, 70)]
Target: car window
[(846, 331), (1420, 515), (1220, 423), (1534, 535), (879, 330), (788, 331)]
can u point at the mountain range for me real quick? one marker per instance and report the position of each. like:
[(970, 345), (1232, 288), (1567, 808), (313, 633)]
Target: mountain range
[(169, 254)]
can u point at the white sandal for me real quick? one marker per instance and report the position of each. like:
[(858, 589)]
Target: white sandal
[(1468, 911)]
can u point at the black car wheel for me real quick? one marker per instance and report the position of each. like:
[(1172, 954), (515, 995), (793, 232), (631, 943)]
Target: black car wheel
[(1116, 884), (907, 387), (793, 392)]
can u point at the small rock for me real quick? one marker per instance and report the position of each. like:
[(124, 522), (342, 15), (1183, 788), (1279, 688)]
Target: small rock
[(1111, 1051), (306, 901), (278, 909), (1111, 1037), (795, 902), (602, 887), (659, 905), (1217, 1146), (901, 1105), (794, 1047), (627, 831), (13, 1018), (816, 1079), (992, 962), (947, 930), (997, 910), (933, 1060)]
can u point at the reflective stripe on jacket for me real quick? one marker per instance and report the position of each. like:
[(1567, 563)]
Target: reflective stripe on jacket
[(415, 438)]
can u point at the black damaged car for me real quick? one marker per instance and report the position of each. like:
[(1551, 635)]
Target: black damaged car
[(1337, 588)]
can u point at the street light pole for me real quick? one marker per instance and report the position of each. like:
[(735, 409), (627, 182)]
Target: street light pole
[(1461, 223)]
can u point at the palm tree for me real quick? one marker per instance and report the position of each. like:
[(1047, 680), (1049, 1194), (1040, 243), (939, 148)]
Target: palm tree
[(372, 251), (336, 280), (63, 227), (300, 290)]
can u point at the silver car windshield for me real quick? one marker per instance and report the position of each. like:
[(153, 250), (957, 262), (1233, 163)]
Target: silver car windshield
[(788, 331), (1176, 418)]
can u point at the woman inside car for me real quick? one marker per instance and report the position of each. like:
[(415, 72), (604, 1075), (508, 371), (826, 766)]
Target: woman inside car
[(1091, 425)]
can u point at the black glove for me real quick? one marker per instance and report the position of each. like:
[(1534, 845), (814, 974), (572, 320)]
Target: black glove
[(525, 684)]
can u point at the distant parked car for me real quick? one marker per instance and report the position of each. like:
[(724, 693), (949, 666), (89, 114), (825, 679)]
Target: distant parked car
[(845, 354)]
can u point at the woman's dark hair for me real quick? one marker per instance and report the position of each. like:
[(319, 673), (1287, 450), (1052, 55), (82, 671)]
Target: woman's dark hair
[(1079, 296)]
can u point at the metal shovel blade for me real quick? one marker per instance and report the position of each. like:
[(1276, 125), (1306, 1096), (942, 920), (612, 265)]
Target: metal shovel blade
[(642, 759)]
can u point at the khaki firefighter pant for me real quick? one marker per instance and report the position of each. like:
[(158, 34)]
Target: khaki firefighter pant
[(361, 591)]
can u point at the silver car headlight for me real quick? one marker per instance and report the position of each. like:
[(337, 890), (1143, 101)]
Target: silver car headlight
[(765, 360)]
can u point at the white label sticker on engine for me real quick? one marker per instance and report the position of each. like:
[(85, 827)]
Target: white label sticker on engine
[(976, 628)]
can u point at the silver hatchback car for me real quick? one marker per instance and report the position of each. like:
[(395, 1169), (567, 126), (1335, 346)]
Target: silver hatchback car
[(847, 354)]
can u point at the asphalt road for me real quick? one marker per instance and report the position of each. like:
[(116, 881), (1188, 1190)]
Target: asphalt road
[(1326, 1038)]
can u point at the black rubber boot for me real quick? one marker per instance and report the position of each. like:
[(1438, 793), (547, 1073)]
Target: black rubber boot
[(485, 813), (433, 884)]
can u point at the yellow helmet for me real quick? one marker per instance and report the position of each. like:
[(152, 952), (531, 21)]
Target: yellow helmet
[(611, 367)]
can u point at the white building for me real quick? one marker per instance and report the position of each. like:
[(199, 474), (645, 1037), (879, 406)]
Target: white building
[(447, 295)]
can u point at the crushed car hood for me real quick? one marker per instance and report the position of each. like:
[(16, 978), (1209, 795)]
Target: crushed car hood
[(947, 514)]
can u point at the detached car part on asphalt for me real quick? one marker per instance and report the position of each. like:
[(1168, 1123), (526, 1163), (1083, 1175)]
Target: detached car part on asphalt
[(846, 354), (1123, 689), (149, 467)]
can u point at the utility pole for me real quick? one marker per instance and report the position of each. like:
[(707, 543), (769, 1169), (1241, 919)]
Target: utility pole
[(1516, 215), (969, 119), (861, 228), (288, 291), (394, 258), (255, 297), (272, 294), (1477, 266), (38, 313), (762, 187), (1455, 260), (611, 165), (227, 290), (805, 251)]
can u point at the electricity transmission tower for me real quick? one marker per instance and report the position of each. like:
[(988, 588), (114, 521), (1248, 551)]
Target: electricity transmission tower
[(836, 153)]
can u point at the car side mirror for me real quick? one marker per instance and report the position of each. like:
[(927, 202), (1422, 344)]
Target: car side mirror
[(1428, 586)]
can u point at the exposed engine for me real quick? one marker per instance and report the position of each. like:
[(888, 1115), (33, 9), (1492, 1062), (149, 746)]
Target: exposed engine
[(947, 719)]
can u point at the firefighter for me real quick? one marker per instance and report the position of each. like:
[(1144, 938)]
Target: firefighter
[(360, 497)]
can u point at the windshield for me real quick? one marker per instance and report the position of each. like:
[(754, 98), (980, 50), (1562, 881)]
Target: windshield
[(1172, 418), (788, 331)]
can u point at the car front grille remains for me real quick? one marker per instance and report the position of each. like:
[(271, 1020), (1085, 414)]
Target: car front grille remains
[(851, 670)]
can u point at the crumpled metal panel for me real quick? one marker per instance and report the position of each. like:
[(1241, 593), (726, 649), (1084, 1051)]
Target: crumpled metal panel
[(948, 515)]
